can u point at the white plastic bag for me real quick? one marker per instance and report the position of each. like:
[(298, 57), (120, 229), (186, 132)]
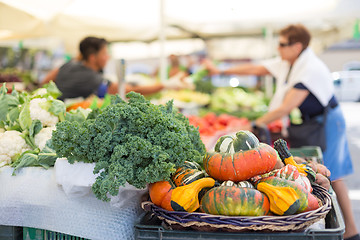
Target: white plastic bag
[(76, 179)]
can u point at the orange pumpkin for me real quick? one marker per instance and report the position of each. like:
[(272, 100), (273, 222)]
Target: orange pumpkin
[(160, 194), (241, 165)]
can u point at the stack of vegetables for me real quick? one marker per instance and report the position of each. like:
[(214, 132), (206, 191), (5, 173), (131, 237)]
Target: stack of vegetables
[(27, 121), (210, 123), (239, 179), (133, 142), (212, 126), (238, 102), (183, 99), (92, 102), (16, 75)]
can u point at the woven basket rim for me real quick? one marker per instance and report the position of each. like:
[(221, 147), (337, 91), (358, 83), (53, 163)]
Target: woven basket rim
[(243, 223)]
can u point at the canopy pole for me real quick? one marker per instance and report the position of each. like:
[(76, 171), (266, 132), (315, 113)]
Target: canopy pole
[(162, 40), (269, 38), (120, 74)]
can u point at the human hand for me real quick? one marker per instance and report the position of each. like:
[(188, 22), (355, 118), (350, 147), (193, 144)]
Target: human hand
[(322, 181), (320, 168), (178, 82), (322, 172), (209, 65), (173, 83)]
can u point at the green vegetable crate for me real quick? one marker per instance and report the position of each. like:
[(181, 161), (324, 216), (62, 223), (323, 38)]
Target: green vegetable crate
[(40, 234), (25, 233), (149, 227), (313, 153), (10, 233)]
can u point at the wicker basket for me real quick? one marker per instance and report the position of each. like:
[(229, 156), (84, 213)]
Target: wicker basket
[(208, 222)]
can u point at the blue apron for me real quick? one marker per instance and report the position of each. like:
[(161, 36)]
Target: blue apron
[(337, 155)]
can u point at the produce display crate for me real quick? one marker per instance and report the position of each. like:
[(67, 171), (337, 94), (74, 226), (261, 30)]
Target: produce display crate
[(10, 233), (40, 234), (26, 233), (312, 153), (150, 227)]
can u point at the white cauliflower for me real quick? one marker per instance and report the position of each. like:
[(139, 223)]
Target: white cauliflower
[(36, 112), (11, 146), (44, 135), (40, 92)]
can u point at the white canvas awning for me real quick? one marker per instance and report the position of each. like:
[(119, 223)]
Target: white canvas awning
[(139, 20)]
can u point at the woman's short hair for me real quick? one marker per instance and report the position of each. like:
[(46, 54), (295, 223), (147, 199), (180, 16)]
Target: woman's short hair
[(296, 33), (91, 45)]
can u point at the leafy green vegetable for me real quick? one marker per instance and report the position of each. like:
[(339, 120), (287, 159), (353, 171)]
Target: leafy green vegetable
[(135, 142), (44, 158), (51, 90), (238, 102), (24, 117), (55, 107), (16, 110), (78, 115), (29, 135), (8, 104)]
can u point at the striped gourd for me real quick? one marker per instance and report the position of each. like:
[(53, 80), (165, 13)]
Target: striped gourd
[(235, 201), (187, 173), (243, 140)]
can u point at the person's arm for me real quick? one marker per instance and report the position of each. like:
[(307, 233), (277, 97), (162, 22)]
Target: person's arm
[(293, 99), (144, 90), (242, 69), (50, 76), (246, 69)]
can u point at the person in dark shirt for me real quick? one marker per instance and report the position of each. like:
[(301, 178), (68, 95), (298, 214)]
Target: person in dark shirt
[(303, 81), (82, 77)]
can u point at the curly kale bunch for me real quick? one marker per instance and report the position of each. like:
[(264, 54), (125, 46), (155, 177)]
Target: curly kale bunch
[(135, 142)]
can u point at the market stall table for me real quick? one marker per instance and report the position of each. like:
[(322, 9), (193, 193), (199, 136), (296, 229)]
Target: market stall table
[(33, 198)]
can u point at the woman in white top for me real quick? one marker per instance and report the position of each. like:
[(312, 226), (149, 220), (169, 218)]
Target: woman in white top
[(303, 81)]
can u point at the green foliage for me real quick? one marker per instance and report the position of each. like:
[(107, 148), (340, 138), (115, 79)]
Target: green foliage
[(205, 86), (36, 158), (15, 115), (135, 142), (239, 102)]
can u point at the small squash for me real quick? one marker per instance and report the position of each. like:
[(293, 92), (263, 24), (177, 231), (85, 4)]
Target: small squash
[(185, 198), (280, 146), (240, 165), (283, 200), (235, 201), (288, 172), (243, 140), (244, 184), (187, 173), (160, 194), (301, 192), (313, 203)]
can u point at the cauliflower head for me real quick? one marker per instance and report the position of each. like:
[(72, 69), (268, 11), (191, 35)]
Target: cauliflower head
[(11, 146), (37, 112), (44, 135), (40, 92)]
